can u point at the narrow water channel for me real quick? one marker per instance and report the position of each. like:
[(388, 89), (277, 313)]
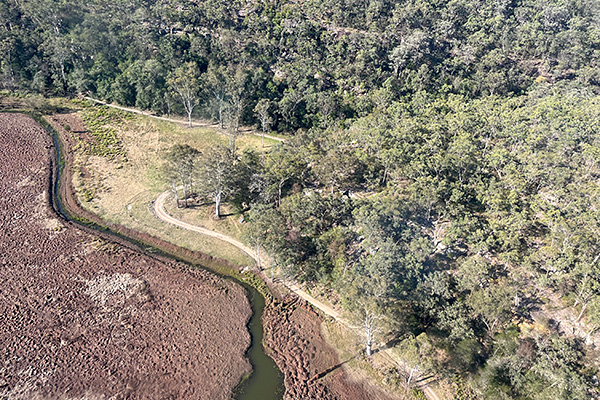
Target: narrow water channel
[(264, 369), (266, 380)]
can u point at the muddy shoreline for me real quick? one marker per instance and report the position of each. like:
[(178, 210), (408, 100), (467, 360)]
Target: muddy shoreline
[(83, 317)]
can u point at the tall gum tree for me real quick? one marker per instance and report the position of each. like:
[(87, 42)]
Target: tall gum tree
[(236, 90), (181, 168), (216, 83), (262, 110), (217, 175), (185, 83)]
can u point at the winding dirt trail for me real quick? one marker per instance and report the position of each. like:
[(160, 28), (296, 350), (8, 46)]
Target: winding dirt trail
[(180, 121), (162, 214)]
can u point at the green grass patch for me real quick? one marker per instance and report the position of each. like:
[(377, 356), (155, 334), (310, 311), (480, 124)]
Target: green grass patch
[(103, 124)]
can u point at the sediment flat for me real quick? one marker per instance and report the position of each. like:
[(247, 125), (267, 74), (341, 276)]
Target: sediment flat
[(82, 317)]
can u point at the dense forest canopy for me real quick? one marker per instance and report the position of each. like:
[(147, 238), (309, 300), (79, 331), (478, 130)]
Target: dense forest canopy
[(443, 166), (316, 61)]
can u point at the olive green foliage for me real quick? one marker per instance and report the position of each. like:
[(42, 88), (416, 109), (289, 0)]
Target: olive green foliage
[(458, 214), (441, 176), (180, 170), (216, 175), (316, 62)]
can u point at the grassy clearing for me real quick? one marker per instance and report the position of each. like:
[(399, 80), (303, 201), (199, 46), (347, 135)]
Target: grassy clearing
[(121, 189), (350, 348), (204, 216), (141, 218)]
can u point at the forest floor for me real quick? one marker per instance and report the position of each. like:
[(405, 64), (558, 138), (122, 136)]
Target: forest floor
[(84, 317)]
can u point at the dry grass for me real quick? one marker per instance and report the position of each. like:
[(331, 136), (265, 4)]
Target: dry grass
[(381, 367), (203, 216), (116, 289), (350, 348), (122, 192)]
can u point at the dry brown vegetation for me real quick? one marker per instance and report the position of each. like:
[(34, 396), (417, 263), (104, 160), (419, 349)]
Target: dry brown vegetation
[(83, 317)]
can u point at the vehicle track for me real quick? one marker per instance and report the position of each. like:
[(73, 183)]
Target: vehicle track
[(180, 121), (161, 213)]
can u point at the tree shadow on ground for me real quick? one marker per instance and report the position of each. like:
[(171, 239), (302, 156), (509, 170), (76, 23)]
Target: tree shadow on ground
[(333, 368)]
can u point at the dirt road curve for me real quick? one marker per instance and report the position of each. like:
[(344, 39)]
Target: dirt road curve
[(83, 317), (162, 214), (176, 120)]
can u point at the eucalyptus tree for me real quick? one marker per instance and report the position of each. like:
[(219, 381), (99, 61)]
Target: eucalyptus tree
[(262, 109), (216, 175), (185, 82), (181, 169), (216, 85)]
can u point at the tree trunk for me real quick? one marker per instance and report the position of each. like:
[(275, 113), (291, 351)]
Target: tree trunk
[(232, 139), (185, 195), (63, 76), (583, 307), (258, 257), (175, 193), (369, 332), (168, 104), (410, 376), (281, 183), (221, 113), (589, 334), (385, 176), (369, 346), (218, 205)]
